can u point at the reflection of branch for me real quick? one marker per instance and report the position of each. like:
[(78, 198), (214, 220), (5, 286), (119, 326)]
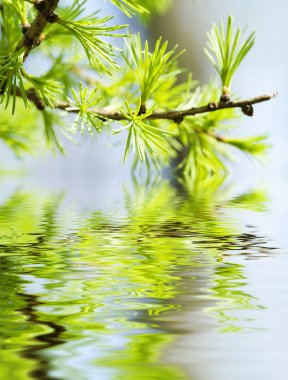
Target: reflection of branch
[(47, 340)]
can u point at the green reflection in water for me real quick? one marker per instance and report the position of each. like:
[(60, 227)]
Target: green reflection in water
[(98, 295)]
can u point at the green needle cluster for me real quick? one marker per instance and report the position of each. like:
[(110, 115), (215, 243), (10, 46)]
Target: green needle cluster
[(226, 50)]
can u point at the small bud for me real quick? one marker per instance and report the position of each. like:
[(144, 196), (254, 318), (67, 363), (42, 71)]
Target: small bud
[(226, 94), (248, 110), (225, 98), (179, 119), (25, 28), (142, 110)]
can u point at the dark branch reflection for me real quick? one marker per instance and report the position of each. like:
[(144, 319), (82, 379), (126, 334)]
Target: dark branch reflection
[(47, 340)]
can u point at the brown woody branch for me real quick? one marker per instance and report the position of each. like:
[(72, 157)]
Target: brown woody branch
[(33, 97), (32, 34), (178, 115), (246, 105)]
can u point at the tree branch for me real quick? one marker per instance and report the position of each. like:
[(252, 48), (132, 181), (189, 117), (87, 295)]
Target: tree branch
[(175, 115), (179, 115), (32, 38), (33, 97), (32, 35)]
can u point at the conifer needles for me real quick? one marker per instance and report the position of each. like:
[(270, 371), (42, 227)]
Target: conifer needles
[(164, 121), (226, 50)]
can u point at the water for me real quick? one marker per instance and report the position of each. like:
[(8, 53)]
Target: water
[(165, 281)]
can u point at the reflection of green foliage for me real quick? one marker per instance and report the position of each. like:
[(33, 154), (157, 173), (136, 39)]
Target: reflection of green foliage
[(24, 228), (144, 349), (227, 290), (102, 287)]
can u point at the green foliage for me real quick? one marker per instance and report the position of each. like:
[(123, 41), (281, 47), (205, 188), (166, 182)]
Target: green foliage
[(151, 69), (155, 8), (226, 51), (204, 154), (10, 32), (141, 134), (146, 8), (48, 89), (142, 83), (129, 7), (81, 103), (11, 78), (63, 71), (51, 122), (90, 31), (256, 145), (21, 9)]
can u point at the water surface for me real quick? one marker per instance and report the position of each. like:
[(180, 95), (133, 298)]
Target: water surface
[(164, 281)]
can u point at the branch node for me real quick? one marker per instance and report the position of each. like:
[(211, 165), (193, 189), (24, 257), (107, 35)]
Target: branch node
[(52, 18), (28, 42), (178, 120), (213, 106), (142, 109), (25, 28), (225, 98), (40, 5)]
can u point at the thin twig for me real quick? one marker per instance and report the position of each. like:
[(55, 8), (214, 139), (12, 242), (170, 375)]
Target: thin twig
[(177, 115), (33, 97)]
